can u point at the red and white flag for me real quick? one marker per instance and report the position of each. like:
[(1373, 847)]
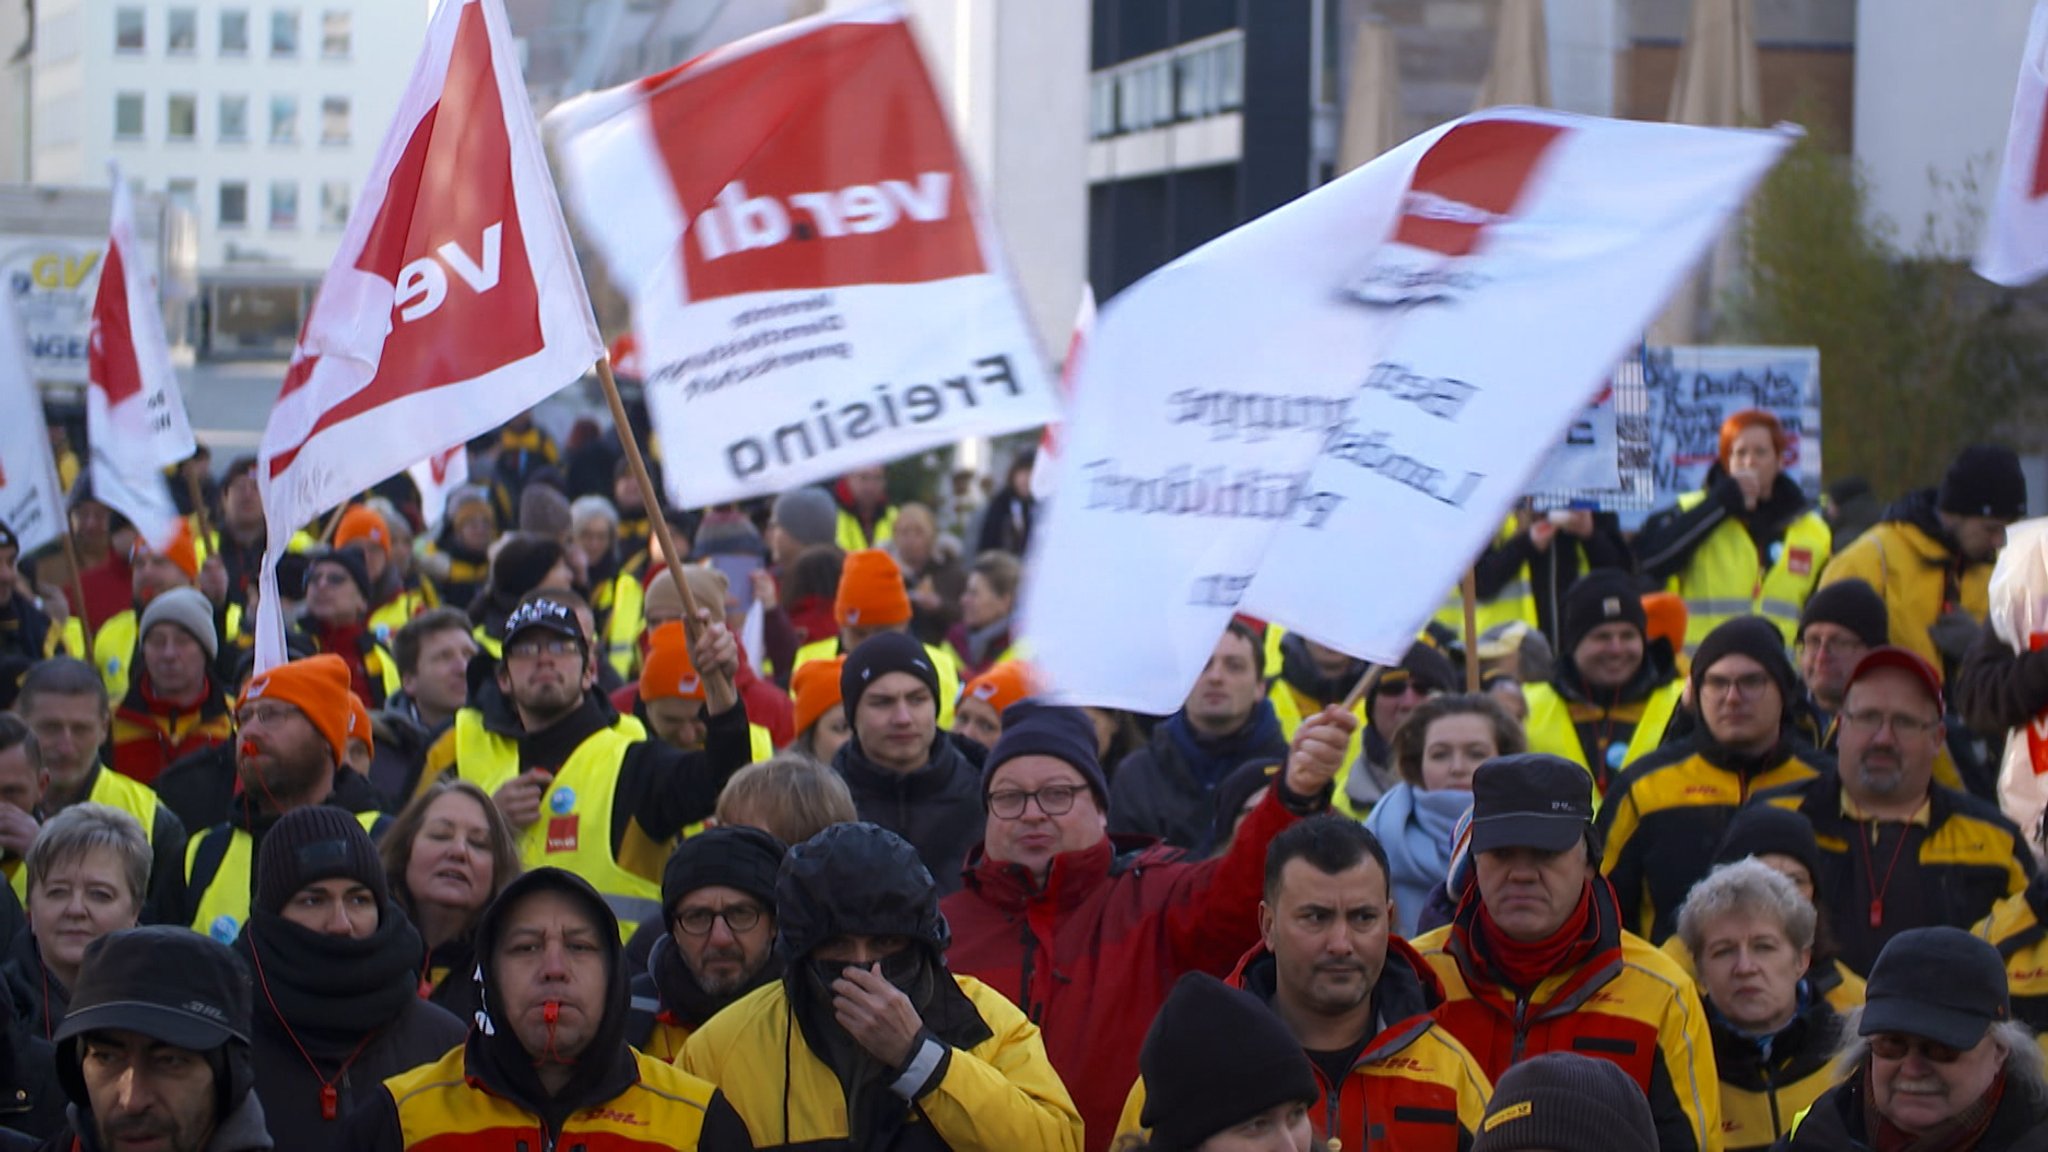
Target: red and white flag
[(135, 422), (1318, 418), (1048, 455), (436, 477), (454, 303), (2015, 248), (815, 286)]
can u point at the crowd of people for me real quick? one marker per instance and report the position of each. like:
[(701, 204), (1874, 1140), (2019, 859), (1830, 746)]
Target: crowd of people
[(545, 838)]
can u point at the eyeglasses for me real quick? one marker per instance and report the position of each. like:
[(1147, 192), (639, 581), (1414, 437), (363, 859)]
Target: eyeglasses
[(737, 917), (529, 649), (265, 715), (1749, 684), (327, 577), (1868, 723), (1053, 800), (1893, 1046), (1835, 646)]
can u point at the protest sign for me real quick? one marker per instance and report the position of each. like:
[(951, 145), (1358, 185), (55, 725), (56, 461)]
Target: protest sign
[(2015, 246), (815, 286), (453, 303), (1693, 389), (1633, 490), (1319, 417), (30, 503)]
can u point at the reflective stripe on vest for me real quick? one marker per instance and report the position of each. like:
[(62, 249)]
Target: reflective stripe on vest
[(113, 652), (1726, 578), (942, 660), (224, 904), (1550, 728)]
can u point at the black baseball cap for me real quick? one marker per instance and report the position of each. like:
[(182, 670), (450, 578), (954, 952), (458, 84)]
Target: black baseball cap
[(1531, 800), (1941, 984), (545, 616), (166, 982)]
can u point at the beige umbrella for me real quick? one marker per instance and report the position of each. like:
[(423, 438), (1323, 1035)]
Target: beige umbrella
[(1372, 106), (1520, 70), (1718, 85)]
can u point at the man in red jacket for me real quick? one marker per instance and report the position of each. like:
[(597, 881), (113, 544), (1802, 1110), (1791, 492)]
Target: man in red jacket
[(1087, 933)]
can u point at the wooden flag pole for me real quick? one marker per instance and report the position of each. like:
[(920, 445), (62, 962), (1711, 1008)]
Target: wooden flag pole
[(1468, 589), (78, 589), (1363, 688), (199, 514), (334, 522), (648, 497)]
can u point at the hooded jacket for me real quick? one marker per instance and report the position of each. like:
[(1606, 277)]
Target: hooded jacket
[(937, 808), (1091, 954), (1412, 1088), (245, 1129), (977, 1080), (1167, 788), (1664, 817), (487, 1094), (335, 1012), (1626, 1003), (1919, 571)]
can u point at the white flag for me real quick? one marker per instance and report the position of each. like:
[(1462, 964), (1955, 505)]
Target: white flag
[(436, 477), (135, 420), (815, 287), (454, 303), (2015, 248), (30, 503), (1319, 417), (1046, 459)]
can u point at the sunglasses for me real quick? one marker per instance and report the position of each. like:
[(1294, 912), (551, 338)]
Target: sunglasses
[(1892, 1046)]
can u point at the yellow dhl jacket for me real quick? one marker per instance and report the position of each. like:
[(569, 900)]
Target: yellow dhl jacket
[(1000, 1094), (1762, 1093), (2018, 928), (440, 1109), (1918, 579)]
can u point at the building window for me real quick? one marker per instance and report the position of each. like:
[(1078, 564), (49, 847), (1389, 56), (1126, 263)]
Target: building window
[(333, 205), (234, 32), (128, 30), (1144, 96), (284, 205), (284, 32), (284, 119), (234, 119), (334, 34), (234, 204), (181, 117), (1210, 79), (181, 35), (1101, 106), (334, 120), (184, 194), (128, 116)]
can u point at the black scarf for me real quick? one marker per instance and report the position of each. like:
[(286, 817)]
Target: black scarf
[(683, 997), (331, 991)]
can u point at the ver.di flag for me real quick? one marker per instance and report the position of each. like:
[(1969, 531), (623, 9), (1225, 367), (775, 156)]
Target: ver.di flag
[(815, 286), (135, 422), (436, 477), (30, 503), (1319, 417), (2015, 247), (454, 303)]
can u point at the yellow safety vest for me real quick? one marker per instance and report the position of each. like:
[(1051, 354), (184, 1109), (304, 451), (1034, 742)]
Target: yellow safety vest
[(223, 903), (1726, 578), (1287, 706), (113, 651), (131, 796), (942, 659), (850, 538), (387, 620), (1515, 601), (491, 645), (1550, 728), (583, 789), (623, 624)]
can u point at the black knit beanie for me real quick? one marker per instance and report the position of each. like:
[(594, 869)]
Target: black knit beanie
[(521, 563), (730, 855), (312, 844), (1602, 596), (1851, 604), (1764, 830), (1756, 638), (1215, 1057), (350, 560), (877, 656), (1985, 480), (1035, 728), (1565, 1102)]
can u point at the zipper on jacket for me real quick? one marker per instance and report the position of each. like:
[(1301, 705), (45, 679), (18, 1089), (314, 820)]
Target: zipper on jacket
[(1033, 1010), (1521, 1033)]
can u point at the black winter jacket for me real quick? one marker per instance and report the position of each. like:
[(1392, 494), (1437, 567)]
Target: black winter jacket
[(937, 808)]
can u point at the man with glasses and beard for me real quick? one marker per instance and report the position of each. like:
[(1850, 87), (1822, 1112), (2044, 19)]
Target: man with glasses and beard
[(868, 1041), (718, 892)]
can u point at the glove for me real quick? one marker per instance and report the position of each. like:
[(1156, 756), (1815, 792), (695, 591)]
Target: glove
[(1953, 633)]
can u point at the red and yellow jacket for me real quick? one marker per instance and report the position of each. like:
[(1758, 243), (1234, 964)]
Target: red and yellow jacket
[(1626, 1003), (149, 735), (439, 1107)]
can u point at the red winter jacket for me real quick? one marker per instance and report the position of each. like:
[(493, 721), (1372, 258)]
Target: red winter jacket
[(1091, 957)]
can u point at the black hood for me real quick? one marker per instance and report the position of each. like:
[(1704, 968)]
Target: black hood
[(494, 1053), (857, 879)]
